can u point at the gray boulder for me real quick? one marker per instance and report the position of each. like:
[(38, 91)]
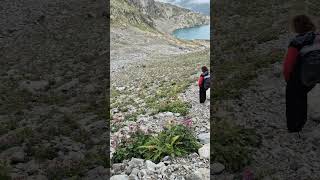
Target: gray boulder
[(217, 168), (204, 138)]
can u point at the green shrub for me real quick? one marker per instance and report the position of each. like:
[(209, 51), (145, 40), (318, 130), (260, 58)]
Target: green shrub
[(42, 153), (129, 147), (176, 140), (232, 145), (232, 77), (4, 170)]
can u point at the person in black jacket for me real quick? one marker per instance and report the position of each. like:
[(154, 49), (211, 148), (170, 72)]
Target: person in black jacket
[(204, 83), (296, 91)]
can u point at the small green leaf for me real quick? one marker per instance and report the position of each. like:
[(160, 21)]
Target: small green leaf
[(174, 139)]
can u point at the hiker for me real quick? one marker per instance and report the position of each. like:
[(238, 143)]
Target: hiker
[(204, 83), (301, 71)]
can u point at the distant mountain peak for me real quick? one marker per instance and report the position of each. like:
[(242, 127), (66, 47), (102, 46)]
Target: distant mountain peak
[(201, 6)]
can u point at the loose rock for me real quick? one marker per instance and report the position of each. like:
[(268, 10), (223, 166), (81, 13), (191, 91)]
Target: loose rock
[(204, 151)]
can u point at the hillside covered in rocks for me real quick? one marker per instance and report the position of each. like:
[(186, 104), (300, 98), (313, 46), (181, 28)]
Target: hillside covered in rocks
[(53, 77), (153, 91), (250, 41), (163, 17), (139, 31)]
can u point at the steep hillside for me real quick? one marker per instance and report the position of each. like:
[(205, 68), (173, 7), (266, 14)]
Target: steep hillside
[(123, 13), (53, 70), (140, 31), (149, 13), (202, 6), (175, 17), (150, 74), (249, 44)]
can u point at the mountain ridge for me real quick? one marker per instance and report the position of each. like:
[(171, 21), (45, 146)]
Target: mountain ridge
[(201, 7), (150, 14)]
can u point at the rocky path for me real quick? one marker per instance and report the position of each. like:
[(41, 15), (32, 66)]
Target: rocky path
[(281, 155), (200, 113)]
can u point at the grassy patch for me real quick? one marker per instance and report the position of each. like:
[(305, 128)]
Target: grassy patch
[(176, 106), (166, 98), (232, 145), (13, 98), (75, 170), (8, 125), (18, 137), (43, 153), (265, 36), (129, 148), (97, 158), (115, 128), (4, 170), (133, 116), (231, 76)]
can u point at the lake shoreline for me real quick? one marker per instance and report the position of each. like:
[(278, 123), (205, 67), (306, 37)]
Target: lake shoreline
[(197, 32)]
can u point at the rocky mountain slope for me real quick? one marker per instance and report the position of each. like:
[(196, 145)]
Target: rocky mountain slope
[(250, 91), (163, 17), (151, 72), (202, 6), (193, 166), (53, 71), (140, 31)]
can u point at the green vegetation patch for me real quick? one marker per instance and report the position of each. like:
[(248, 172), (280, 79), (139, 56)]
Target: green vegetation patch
[(233, 145), (174, 140), (159, 89), (176, 106), (130, 147), (4, 170), (232, 76)]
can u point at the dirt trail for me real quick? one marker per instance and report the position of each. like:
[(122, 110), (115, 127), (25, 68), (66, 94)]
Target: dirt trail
[(200, 113), (281, 155)]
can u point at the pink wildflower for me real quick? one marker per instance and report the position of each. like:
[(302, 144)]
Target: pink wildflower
[(131, 128), (247, 175), (187, 122)]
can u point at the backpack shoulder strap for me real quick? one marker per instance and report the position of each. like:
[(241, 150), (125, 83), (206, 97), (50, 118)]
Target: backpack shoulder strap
[(311, 47)]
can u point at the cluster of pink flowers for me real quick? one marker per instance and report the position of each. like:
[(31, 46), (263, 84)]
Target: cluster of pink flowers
[(187, 122), (132, 128), (125, 133), (114, 143)]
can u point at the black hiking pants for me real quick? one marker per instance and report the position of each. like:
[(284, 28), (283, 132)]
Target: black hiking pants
[(203, 97), (296, 102)]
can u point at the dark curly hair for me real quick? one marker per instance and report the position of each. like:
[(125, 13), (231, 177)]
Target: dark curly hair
[(204, 68), (302, 24)]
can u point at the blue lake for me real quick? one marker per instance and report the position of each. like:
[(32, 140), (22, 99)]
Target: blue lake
[(197, 32)]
